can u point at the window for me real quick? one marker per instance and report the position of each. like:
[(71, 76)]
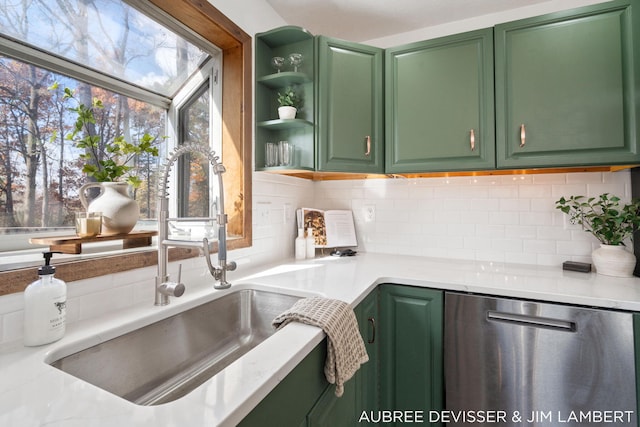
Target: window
[(162, 65)]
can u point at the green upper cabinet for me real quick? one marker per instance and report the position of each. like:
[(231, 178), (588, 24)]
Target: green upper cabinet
[(299, 131), (350, 136), (439, 104), (565, 88)]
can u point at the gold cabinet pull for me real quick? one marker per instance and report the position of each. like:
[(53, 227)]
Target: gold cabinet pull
[(472, 139), (523, 136), (368, 140)]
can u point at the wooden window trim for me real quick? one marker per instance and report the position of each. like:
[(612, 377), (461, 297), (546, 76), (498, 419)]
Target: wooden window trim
[(214, 26)]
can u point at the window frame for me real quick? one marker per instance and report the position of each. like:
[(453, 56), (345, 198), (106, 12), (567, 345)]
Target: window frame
[(207, 22)]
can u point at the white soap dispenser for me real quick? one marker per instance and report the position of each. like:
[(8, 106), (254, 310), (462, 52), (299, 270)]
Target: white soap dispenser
[(45, 308), (300, 244), (310, 243)]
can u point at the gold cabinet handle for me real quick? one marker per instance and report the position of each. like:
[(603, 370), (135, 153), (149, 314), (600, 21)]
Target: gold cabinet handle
[(523, 136), (368, 140), (472, 139)]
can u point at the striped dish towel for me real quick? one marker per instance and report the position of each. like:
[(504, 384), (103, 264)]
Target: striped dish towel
[(345, 347)]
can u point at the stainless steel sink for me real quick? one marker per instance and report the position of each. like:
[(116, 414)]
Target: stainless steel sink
[(164, 361)]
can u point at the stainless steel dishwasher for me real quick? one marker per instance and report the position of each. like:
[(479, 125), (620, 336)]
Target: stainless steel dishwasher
[(521, 363)]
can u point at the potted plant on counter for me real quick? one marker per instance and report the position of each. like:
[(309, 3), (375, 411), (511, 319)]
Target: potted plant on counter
[(611, 223), (109, 164), (289, 102)]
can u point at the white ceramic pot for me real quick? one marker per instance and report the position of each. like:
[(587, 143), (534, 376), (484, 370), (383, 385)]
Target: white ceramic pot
[(287, 112), (119, 211), (614, 260)]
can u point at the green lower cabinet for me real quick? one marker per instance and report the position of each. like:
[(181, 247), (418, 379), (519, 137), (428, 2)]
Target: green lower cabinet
[(305, 398), (334, 411), (402, 330), (411, 333), (368, 378), (292, 400)]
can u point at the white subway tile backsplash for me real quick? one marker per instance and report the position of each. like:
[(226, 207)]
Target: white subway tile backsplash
[(566, 190), (520, 231), (536, 218), (534, 191), (12, 326), (517, 205), (507, 245), (490, 231), (577, 248), (584, 178), (500, 191), (532, 246), (504, 218), (549, 178), (495, 218)]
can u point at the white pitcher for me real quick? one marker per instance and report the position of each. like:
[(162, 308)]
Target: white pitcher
[(119, 211)]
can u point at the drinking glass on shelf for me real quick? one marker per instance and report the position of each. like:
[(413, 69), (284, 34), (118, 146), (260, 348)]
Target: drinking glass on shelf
[(295, 59), (285, 153), (271, 154), (277, 62)]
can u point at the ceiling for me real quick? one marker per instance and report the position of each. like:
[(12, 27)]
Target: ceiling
[(362, 20)]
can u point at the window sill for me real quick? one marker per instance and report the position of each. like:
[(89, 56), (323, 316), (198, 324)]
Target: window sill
[(78, 269), (100, 264)]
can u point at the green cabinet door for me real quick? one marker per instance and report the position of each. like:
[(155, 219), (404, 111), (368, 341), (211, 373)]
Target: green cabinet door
[(305, 398), (290, 402), (439, 104), (367, 378), (349, 124), (361, 392), (411, 349), (566, 85), (334, 411)]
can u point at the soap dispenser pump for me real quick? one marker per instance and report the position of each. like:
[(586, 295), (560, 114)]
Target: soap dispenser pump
[(45, 308)]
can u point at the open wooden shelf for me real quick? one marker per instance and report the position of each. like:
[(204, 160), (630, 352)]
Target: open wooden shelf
[(73, 244)]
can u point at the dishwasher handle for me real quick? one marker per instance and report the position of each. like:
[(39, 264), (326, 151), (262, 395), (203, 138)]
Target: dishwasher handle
[(533, 321)]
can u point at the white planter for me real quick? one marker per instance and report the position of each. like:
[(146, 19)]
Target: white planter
[(616, 261), (287, 112), (119, 211)]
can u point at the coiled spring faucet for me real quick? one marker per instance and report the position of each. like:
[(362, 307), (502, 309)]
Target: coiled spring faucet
[(164, 287)]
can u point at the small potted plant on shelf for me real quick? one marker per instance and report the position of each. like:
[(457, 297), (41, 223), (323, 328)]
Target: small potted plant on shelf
[(289, 102), (611, 224)]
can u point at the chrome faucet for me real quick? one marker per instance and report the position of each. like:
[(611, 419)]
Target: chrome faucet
[(164, 287)]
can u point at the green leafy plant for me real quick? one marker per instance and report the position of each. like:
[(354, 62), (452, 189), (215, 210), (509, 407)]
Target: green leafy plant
[(290, 98), (603, 216), (105, 161)]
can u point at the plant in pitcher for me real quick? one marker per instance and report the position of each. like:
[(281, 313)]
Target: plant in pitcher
[(611, 223), (110, 165)]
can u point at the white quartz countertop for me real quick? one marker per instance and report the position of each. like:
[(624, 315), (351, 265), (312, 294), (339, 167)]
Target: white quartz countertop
[(32, 393)]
